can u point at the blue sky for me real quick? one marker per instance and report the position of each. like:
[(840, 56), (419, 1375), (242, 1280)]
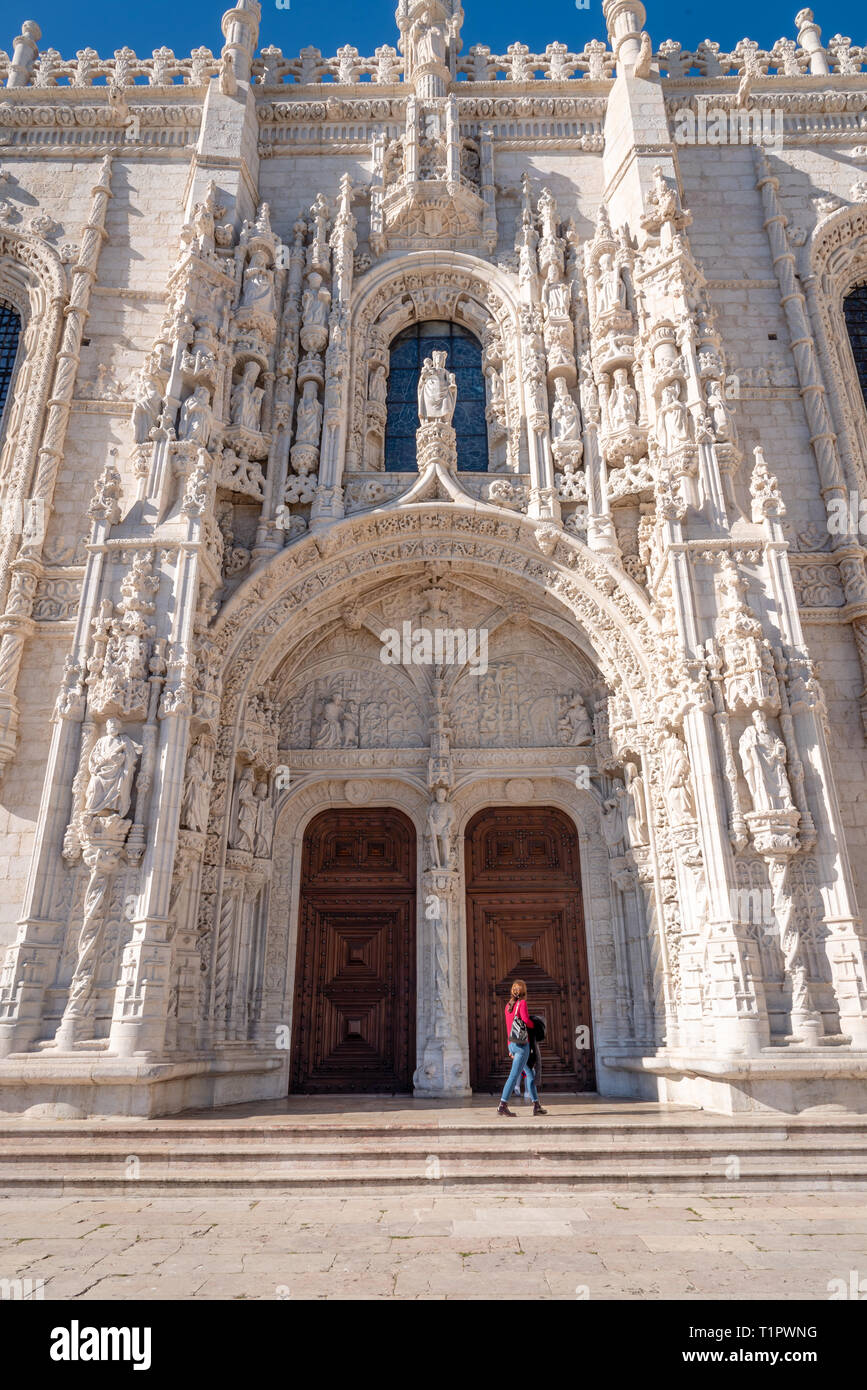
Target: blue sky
[(368, 23)]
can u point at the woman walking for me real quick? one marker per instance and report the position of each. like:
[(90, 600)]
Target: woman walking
[(518, 1024)]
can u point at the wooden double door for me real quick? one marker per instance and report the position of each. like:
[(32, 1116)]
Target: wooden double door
[(354, 1015), (525, 921)]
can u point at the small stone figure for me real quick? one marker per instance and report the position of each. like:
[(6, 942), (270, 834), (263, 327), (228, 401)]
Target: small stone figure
[(308, 427), (440, 819), (195, 418), (258, 291), (677, 780), (575, 725), (623, 405), (763, 756), (147, 399), (673, 419), (565, 421), (111, 766), (612, 291), (247, 399), (246, 813), (437, 390), (264, 821), (636, 812), (194, 807)]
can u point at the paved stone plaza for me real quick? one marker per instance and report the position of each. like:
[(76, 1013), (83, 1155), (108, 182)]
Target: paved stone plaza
[(421, 1245)]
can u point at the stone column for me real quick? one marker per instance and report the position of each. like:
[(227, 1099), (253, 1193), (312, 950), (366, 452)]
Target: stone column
[(24, 50)]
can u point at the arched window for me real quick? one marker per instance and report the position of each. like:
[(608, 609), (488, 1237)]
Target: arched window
[(10, 332), (855, 313), (464, 358)]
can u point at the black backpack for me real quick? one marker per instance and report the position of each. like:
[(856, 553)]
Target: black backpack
[(538, 1028)]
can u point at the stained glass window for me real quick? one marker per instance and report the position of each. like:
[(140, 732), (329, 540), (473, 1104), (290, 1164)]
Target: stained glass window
[(855, 313), (10, 331), (464, 358)]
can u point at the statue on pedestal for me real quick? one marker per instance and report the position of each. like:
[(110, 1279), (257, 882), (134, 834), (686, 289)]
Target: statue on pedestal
[(437, 390)]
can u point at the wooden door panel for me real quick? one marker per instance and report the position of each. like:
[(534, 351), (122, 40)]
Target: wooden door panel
[(525, 922), (355, 981)]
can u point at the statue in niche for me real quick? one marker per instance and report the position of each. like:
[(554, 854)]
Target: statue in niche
[(197, 791), (308, 425), (377, 388), (612, 291), (315, 303), (147, 400), (258, 288), (612, 822), (246, 812), (528, 240), (719, 411), (623, 405), (676, 776), (557, 295), (440, 820), (437, 390), (247, 399), (194, 423), (430, 43), (673, 419), (264, 833), (575, 725), (112, 767), (565, 421), (589, 394), (636, 810), (763, 756)]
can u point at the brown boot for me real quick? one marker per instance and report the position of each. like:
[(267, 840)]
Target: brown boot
[(503, 1109), (538, 1109)]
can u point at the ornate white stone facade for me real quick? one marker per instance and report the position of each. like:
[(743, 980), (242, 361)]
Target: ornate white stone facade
[(211, 258)]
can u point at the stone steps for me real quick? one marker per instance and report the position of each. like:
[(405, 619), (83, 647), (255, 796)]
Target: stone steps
[(677, 1151)]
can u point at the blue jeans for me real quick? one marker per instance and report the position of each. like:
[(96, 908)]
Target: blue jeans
[(519, 1064)]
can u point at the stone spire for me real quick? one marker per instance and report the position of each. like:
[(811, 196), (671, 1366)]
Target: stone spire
[(241, 31), (631, 46)]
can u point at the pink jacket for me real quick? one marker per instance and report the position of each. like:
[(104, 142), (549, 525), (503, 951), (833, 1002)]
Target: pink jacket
[(521, 1012)]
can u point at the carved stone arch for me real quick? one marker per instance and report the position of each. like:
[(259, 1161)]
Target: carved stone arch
[(836, 259), (320, 570), (33, 281), (411, 289)]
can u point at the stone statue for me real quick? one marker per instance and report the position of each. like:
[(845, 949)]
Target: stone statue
[(441, 819), (575, 724), (719, 411), (247, 399), (763, 756), (623, 405), (264, 833), (147, 400), (565, 421), (676, 778), (197, 791), (558, 296), (673, 419), (377, 386), (636, 811), (308, 426), (315, 303), (430, 44), (246, 813), (330, 734), (195, 418), (612, 824), (258, 289), (612, 291), (437, 390), (111, 766)]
